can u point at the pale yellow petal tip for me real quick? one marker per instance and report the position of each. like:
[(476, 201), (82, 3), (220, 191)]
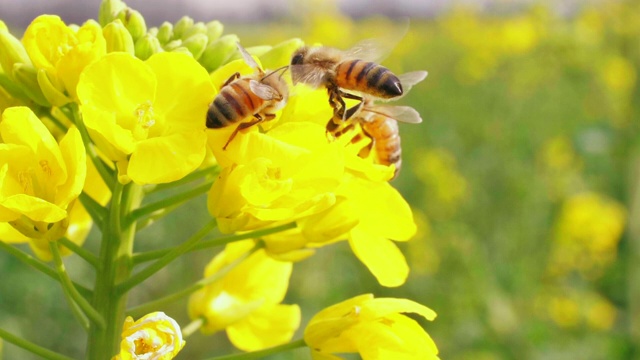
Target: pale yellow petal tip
[(154, 336)]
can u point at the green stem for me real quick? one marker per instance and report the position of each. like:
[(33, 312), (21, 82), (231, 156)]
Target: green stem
[(165, 260), (38, 265), (67, 288), (80, 251), (156, 304), (633, 253), (206, 244), (169, 201), (31, 347), (149, 220), (262, 353), (211, 171), (115, 267), (107, 174), (97, 212)]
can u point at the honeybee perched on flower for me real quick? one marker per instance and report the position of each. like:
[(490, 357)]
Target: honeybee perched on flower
[(353, 70), (258, 96)]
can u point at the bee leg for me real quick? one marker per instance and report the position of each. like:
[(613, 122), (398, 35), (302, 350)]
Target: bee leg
[(354, 109), (231, 79), (258, 119), (365, 151)]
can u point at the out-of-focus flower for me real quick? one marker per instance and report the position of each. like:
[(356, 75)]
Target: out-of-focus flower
[(619, 74), (154, 336), (587, 233), (40, 179), (577, 308), (446, 187), (147, 116), (60, 53), (246, 301), (561, 166), (373, 328)]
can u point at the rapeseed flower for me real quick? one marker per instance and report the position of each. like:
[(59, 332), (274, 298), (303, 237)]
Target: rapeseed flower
[(373, 328), (60, 53), (145, 116), (39, 178), (246, 302), (154, 336)]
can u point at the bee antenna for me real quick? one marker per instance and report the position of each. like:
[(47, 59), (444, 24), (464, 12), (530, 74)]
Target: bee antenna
[(281, 70)]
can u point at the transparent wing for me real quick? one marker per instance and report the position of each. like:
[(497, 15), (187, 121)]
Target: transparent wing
[(248, 58), (377, 49), (411, 78), (405, 114), (308, 74), (264, 92)]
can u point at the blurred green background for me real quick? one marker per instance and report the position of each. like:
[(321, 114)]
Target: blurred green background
[(522, 178)]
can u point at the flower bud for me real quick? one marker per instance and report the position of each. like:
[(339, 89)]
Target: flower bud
[(3, 26), (214, 30), (183, 50), (12, 88), (27, 77), (196, 44), (54, 95), (182, 26), (171, 45), (147, 46), (134, 22), (165, 32), (280, 54), (11, 52), (197, 28), (108, 11), (118, 37), (219, 52)]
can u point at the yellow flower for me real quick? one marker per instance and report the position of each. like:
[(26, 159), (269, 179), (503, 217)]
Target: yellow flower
[(148, 117), (154, 336), (39, 178), (374, 328), (60, 53), (246, 301), (279, 176)]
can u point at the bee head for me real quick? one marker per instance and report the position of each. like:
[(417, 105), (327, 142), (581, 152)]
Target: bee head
[(298, 56)]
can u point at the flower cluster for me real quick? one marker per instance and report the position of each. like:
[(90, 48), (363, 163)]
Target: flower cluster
[(113, 110)]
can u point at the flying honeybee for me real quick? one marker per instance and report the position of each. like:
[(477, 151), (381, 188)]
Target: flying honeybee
[(256, 97), (350, 70), (380, 124)]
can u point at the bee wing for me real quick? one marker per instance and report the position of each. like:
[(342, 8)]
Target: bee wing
[(368, 50), (263, 91), (405, 114), (307, 74), (411, 78), (248, 58)]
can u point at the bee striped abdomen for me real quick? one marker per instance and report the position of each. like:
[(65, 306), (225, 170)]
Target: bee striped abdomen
[(385, 133), (234, 103), (369, 78)]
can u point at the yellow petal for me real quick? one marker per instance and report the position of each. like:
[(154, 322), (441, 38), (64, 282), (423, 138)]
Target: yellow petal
[(167, 158), (110, 137), (75, 158), (34, 208), (381, 256), (381, 307), (44, 37), (267, 327), (10, 235)]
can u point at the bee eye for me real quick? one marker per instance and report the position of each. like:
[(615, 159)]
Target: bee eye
[(297, 59)]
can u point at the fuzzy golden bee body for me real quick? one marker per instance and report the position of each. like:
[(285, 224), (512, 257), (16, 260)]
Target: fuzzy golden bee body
[(256, 97)]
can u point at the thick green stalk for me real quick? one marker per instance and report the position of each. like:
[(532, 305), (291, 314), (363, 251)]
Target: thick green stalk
[(114, 267)]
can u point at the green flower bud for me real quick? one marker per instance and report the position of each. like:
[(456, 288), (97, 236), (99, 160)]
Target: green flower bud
[(118, 37), (134, 22), (147, 46), (197, 28), (182, 26), (3, 26), (165, 32), (109, 9), (12, 88), (280, 54), (11, 52), (196, 44), (53, 95), (171, 45), (219, 52), (183, 50), (27, 77), (214, 30), (153, 31)]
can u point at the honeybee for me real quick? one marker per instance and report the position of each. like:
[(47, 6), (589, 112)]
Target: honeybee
[(257, 96), (380, 124), (349, 70)]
